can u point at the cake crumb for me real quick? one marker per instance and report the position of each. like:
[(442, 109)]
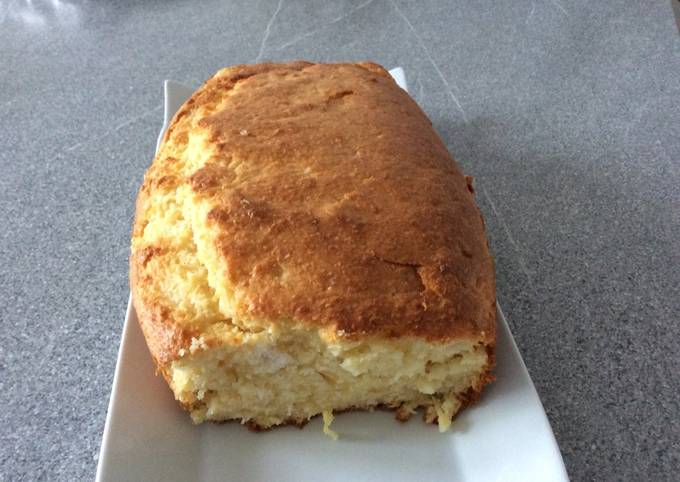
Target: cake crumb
[(197, 344), (446, 409), (404, 412), (327, 421)]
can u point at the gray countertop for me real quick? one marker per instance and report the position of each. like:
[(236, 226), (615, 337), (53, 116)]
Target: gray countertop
[(567, 112)]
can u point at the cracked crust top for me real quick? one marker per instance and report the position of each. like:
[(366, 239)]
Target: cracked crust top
[(318, 194)]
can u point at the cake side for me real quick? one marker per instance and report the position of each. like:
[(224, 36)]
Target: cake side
[(271, 378)]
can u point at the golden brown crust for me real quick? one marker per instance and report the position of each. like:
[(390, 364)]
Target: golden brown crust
[(163, 336), (333, 203)]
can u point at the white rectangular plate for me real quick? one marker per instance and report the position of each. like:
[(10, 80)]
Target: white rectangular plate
[(505, 437)]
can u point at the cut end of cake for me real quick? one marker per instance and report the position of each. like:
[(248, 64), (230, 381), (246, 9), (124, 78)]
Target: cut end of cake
[(277, 377)]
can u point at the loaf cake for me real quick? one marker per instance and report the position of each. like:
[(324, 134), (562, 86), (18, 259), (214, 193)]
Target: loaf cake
[(304, 244)]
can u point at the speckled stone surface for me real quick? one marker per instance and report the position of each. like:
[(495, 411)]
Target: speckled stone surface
[(567, 113)]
